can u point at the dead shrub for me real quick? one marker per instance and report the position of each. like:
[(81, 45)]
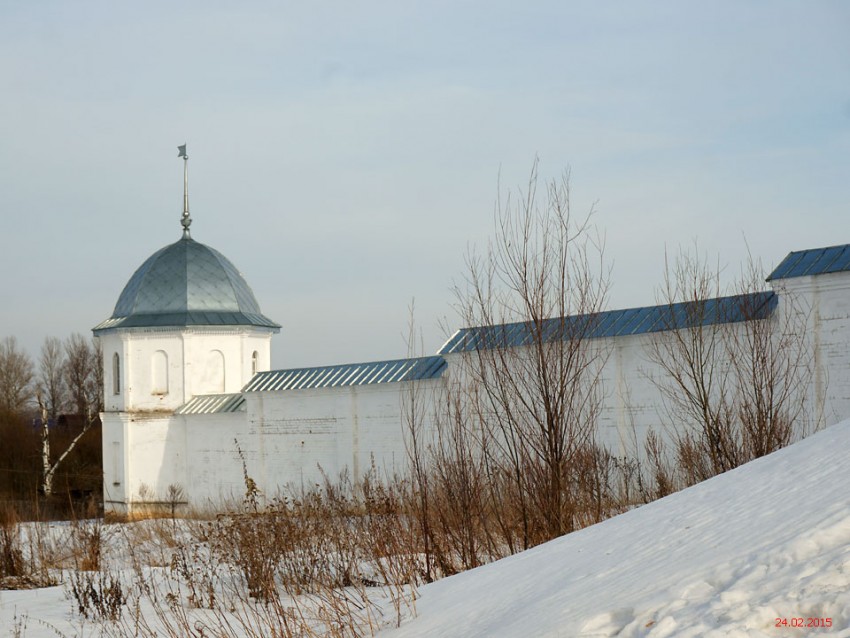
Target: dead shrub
[(87, 544), (98, 595), (12, 564)]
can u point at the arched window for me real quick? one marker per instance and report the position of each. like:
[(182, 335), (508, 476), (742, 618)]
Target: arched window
[(212, 380), (116, 374), (159, 372), (255, 361)]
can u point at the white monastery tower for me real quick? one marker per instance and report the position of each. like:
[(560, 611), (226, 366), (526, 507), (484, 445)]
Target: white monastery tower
[(186, 324)]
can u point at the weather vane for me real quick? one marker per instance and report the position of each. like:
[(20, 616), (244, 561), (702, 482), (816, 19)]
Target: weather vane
[(186, 221)]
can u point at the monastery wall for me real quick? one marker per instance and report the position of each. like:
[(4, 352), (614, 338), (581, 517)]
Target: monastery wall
[(213, 443), (818, 307), (290, 438), (297, 435), (631, 405)]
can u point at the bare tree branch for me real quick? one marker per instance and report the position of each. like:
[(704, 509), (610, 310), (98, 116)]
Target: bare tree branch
[(16, 377), (51, 381)]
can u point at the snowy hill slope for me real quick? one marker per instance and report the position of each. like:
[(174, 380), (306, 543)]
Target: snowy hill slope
[(733, 556)]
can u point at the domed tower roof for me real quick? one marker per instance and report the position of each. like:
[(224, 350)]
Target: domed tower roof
[(186, 284)]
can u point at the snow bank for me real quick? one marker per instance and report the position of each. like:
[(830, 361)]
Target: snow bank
[(729, 557)]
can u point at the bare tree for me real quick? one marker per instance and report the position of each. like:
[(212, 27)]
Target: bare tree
[(474, 524), (733, 367), (536, 295), (83, 374), (51, 379), (16, 377), (83, 377), (772, 363), (691, 353), (416, 443), (96, 381)]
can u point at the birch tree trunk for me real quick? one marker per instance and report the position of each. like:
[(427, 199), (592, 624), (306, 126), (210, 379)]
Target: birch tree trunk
[(49, 469), (46, 473)]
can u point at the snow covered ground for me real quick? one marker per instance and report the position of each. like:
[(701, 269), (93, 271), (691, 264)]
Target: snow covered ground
[(760, 551), (757, 551)]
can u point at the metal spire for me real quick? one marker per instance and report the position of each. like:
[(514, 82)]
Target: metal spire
[(185, 221)]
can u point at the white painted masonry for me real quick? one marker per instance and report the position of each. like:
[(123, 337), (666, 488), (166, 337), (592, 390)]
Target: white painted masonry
[(286, 439), (197, 361), (826, 299)]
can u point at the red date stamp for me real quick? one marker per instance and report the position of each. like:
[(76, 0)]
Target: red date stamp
[(804, 623)]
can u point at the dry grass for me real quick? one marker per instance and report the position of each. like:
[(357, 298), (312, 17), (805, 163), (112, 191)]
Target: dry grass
[(344, 559)]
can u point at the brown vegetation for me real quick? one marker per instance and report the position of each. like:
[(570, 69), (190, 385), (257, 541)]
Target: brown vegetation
[(50, 460)]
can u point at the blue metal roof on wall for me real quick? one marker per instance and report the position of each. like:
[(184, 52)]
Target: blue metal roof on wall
[(814, 261), (348, 374), (213, 404), (616, 323)]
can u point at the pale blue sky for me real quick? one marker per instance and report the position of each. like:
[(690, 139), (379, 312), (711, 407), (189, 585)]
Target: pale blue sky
[(343, 155)]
